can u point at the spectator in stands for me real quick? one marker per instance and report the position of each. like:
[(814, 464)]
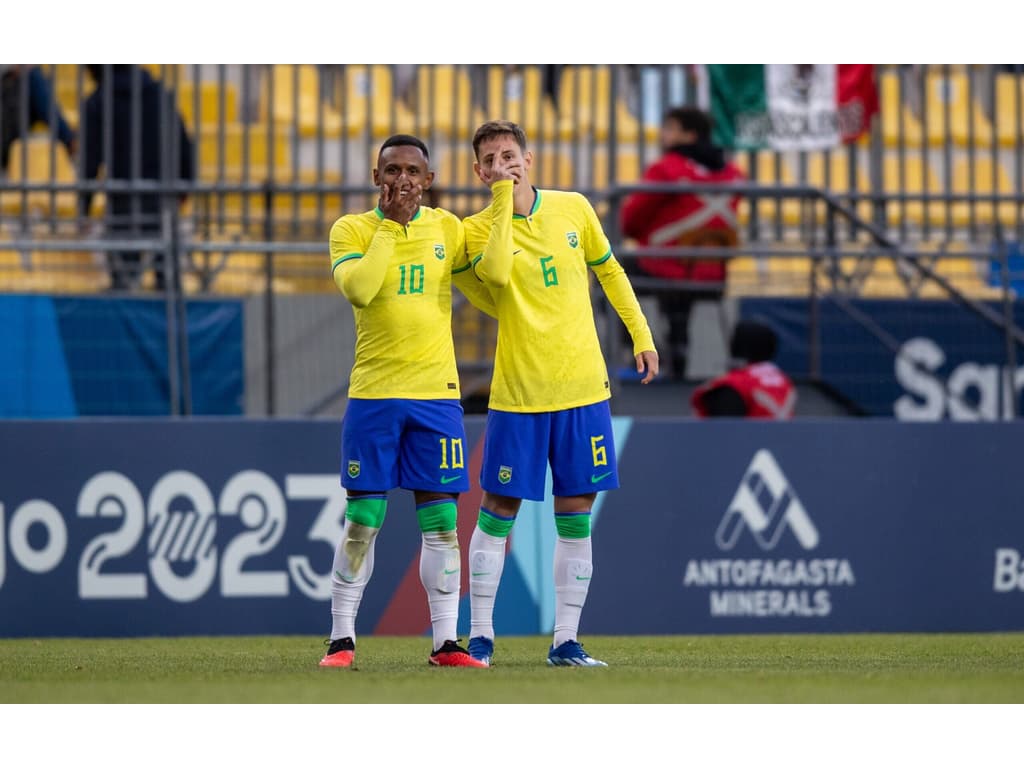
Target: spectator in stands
[(164, 152), (754, 388), (684, 219), (14, 79)]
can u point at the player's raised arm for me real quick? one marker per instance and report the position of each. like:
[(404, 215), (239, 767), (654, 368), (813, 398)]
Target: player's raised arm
[(494, 265), (359, 276)]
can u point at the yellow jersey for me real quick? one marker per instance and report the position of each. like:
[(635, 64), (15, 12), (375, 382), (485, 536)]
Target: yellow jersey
[(399, 281), (537, 266)]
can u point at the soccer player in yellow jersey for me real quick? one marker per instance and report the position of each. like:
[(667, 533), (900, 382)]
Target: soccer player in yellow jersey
[(534, 250), (403, 424)]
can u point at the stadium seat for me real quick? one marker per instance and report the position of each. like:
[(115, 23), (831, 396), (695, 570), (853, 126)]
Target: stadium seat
[(237, 137), (831, 170), (912, 176), (1008, 112), (453, 168), (584, 105), (367, 103), (298, 102), (48, 163), (244, 273), (899, 123), (64, 78), (627, 167), (768, 276), (772, 169), (444, 101), (519, 96), (209, 104), (55, 272), (557, 168), (953, 94), (988, 178), (883, 281)]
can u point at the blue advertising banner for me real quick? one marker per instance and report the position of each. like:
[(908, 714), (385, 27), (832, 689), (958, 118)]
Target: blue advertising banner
[(950, 363), (816, 526), (224, 526)]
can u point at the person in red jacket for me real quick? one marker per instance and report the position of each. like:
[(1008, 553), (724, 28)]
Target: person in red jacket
[(755, 388), (666, 219)]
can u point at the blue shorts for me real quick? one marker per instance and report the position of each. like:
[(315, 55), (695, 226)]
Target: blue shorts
[(419, 445), (578, 442)]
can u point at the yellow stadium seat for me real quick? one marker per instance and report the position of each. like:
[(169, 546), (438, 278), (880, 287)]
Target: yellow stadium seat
[(884, 281), (244, 273), (768, 276), (899, 123), (584, 105), (556, 168), (40, 169), (297, 101), (988, 179), (911, 176), (627, 167), (14, 266), (952, 94), (209, 103), (232, 153), (52, 271), (168, 73), (453, 168), (1009, 109), (519, 96), (772, 170), (837, 179), (367, 103), (444, 101), (64, 78)]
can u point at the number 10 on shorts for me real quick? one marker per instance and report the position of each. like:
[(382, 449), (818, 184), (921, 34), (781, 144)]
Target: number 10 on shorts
[(452, 446)]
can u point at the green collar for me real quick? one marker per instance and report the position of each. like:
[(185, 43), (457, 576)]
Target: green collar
[(380, 213), (533, 209)]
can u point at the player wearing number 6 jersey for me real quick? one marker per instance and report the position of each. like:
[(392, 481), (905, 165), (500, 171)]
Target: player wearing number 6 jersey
[(403, 424), (534, 250)]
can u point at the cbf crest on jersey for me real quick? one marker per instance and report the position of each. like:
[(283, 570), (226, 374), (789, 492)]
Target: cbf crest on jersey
[(504, 474), (353, 469), (572, 238), (439, 251)]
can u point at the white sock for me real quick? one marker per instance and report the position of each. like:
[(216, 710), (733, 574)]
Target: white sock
[(353, 566), (573, 568), (486, 562), (440, 566)]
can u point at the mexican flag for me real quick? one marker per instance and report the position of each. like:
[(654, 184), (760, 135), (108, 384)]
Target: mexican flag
[(790, 106)]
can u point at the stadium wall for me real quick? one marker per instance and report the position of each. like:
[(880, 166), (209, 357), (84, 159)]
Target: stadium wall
[(223, 526)]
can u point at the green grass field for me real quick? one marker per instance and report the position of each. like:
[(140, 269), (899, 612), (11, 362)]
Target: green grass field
[(675, 669)]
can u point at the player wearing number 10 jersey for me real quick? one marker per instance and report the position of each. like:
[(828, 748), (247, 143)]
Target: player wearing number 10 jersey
[(534, 250), (403, 424)]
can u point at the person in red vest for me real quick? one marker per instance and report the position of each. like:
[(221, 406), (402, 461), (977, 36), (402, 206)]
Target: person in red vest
[(755, 388), (667, 219)]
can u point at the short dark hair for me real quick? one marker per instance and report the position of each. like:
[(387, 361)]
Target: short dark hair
[(404, 140), (494, 128), (692, 119), (754, 342)]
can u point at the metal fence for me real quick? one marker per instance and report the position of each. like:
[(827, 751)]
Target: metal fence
[(927, 206)]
